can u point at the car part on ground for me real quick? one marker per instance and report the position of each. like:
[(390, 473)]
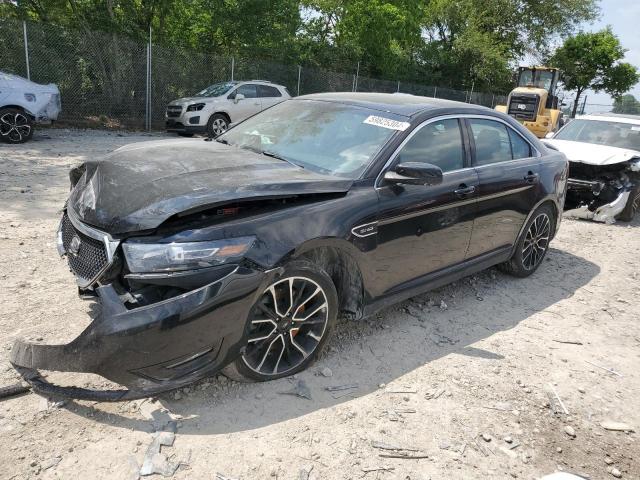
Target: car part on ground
[(604, 168), (213, 109), (238, 254), (23, 104)]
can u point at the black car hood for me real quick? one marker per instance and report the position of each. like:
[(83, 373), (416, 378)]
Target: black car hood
[(139, 186)]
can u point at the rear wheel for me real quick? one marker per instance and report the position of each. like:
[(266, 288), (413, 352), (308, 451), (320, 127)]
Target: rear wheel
[(632, 206), (288, 326), (15, 126), (533, 244), (217, 125)]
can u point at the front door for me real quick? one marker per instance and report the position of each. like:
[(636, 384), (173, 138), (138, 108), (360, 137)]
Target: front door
[(248, 106), (422, 229), (509, 181)]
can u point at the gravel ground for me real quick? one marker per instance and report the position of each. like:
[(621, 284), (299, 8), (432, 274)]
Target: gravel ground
[(466, 375)]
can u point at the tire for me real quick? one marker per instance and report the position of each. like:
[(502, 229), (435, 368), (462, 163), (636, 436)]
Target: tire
[(15, 126), (632, 206), (533, 244), (185, 134), (217, 125), (281, 341)]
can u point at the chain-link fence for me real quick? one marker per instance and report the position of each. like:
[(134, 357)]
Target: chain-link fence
[(109, 80)]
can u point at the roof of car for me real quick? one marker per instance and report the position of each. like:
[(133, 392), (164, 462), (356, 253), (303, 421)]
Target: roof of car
[(612, 117), (398, 103)]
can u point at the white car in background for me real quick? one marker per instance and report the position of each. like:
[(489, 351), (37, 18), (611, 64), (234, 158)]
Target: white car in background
[(24, 103), (213, 109), (604, 166)]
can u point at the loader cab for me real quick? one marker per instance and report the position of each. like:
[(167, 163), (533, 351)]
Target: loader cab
[(540, 78)]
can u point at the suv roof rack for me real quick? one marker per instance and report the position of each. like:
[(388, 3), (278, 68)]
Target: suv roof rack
[(259, 80)]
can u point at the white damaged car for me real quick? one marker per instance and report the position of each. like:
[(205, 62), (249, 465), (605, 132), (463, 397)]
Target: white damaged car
[(604, 166), (23, 104)]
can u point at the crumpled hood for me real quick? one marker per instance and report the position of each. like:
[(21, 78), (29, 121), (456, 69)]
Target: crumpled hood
[(593, 154), (139, 186), (19, 83)]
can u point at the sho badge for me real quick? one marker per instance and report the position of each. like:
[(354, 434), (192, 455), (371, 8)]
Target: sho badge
[(74, 246)]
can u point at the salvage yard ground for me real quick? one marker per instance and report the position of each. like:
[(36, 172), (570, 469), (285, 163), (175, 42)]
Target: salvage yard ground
[(474, 379)]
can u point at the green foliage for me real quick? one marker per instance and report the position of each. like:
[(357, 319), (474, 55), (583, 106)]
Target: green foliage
[(592, 61), (626, 104), (450, 43)]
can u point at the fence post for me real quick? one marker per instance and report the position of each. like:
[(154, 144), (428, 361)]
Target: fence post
[(299, 73), (398, 89), (435, 90), (26, 48), (355, 84), (233, 66), (148, 99), (473, 84), (493, 97)]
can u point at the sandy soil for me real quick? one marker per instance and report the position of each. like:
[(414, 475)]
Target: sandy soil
[(485, 365)]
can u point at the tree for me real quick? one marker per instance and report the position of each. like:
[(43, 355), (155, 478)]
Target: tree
[(626, 104), (593, 61)]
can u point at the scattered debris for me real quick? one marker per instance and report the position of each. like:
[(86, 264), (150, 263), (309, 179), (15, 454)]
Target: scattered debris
[(610, 370), (154, 460), (402, 391), (433, 394), (51, 462), (615, 472), (564, 409), (569, 430), (405, 456), (385, 446), (301, 389), (616, 426), (443, 305), (377, 469), (486, 437), (569, 342), (326, 372), (220, 476), (338, 388)]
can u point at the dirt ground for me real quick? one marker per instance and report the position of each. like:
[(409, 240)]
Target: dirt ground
[(467, 375)]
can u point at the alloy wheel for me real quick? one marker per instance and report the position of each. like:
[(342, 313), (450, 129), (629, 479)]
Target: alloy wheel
[(15, 126), (286, 326), (536, 241), (219, 126)]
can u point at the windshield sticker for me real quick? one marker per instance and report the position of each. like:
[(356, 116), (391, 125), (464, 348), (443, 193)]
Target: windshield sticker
[(386, 123)]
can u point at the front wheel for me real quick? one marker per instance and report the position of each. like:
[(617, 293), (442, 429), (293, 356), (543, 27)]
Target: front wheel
[(217, 125), (15, 126), (288, 326), (533, 244), (632, 206)]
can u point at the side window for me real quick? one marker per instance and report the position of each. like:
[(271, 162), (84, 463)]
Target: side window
[(248, 90), (519, 147), (267, 91), (492, 141), (438, 143)]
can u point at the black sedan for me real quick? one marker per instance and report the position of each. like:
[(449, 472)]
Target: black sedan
[(238, 254)]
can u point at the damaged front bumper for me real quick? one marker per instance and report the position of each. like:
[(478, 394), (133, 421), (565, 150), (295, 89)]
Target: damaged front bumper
[(604, 213), (154, 348)]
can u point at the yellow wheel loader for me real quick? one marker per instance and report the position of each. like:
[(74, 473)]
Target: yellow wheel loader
[(534, 102)]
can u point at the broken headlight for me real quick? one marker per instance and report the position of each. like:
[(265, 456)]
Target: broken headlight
[(167, 257)]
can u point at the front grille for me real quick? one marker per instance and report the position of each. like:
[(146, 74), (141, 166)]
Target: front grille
[(173, 111), (523, 107), (91, 257)]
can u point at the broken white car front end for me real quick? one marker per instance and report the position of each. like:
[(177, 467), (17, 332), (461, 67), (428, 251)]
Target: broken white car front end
[(604, 167)]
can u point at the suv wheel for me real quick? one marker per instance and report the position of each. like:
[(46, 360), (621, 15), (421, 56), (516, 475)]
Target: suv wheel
[(15, 125), (533, 245), (217, 125), (288, 326)]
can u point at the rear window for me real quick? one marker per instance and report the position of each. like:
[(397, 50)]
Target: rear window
[(267, 91)]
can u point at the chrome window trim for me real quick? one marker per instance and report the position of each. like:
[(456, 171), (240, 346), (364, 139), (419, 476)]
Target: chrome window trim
[(460, 116)]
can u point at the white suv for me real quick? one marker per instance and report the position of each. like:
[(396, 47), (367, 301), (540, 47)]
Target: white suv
[(214, 108)]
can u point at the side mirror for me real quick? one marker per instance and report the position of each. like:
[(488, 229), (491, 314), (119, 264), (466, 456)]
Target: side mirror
[(238, 97), (549, 135), (414, 173)]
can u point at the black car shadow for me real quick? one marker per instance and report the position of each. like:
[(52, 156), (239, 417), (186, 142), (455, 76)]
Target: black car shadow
[(381, 349)]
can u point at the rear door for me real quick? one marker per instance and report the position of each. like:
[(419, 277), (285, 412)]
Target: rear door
[(249, 105), (269, 95), (421, 228), (508, 169)]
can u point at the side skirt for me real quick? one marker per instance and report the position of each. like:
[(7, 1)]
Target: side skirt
[(438, 279)]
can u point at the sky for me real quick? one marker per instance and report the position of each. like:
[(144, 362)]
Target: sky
[(624, 18)]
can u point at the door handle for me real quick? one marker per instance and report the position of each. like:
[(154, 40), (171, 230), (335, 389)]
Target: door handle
[(464, 191), (531, 177)]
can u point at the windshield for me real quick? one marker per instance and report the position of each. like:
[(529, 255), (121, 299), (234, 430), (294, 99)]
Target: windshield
[(600, 132), (215, 90), (325, 137), (541, 79)]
